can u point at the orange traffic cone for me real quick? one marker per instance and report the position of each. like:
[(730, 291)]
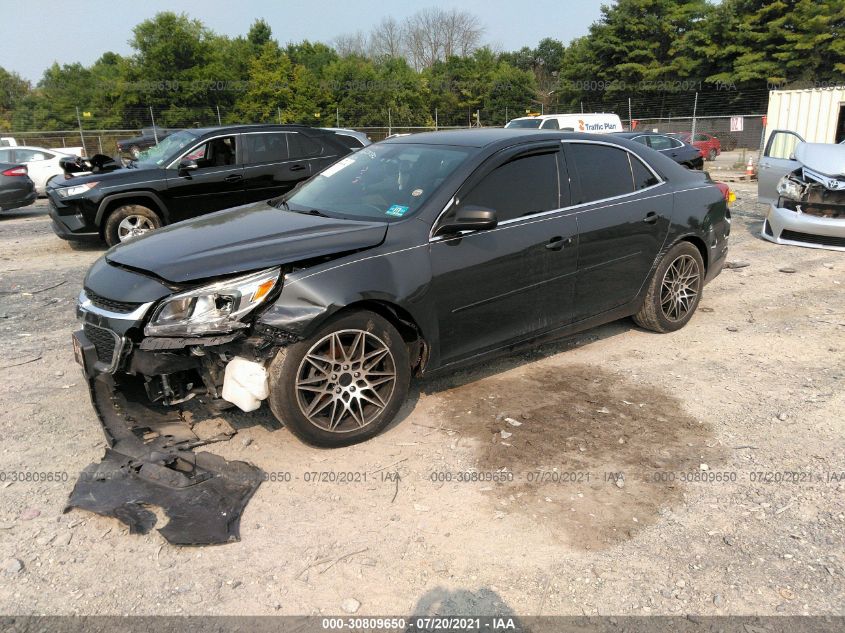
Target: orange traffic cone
[(749, 169)]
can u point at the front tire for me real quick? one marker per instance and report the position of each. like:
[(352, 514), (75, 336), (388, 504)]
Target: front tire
[(344, 384), (128, 221), (674, 290), (711, 155)]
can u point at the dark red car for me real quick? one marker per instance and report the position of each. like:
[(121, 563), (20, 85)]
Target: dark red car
[(709, 146)]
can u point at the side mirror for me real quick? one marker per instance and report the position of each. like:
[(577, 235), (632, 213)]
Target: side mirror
[(470, 218), (187, 164)]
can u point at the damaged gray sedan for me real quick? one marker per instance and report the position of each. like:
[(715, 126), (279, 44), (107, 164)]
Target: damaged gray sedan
[(805, 185)]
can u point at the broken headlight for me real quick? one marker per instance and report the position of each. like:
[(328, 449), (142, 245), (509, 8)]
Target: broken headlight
[(66, 192), (790, 188), (213, 309)]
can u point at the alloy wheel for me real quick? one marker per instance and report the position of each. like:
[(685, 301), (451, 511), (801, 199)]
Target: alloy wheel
[(679, 289), (345, 381), (133, 226)]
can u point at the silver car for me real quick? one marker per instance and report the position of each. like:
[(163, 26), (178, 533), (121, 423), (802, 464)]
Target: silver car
[(805, 185)]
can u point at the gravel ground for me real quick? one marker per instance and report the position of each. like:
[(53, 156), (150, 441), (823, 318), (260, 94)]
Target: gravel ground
[(616, 471)]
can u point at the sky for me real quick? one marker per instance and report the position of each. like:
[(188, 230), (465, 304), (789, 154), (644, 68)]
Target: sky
[(41, 32)]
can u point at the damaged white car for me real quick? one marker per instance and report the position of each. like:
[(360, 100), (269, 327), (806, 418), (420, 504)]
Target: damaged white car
[(805, 185)]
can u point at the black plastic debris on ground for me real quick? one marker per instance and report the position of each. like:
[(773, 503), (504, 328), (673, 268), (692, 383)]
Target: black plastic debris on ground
[(203, 495)]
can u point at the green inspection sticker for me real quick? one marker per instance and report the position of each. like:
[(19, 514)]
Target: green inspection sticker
[(397, 211)]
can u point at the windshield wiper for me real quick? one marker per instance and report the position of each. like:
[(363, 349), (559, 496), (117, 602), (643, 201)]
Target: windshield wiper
[(282, 204)]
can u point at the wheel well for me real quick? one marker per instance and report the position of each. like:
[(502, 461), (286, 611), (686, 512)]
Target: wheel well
[(700, 245), (401, 320), (120, 202)]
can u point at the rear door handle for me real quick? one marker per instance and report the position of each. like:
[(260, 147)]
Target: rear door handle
[(558, 242), (233, 178), (297, 167), (650, 218)]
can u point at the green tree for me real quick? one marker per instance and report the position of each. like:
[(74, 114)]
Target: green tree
[(757, 43), (259, 34), (13, 90), (269, 87)]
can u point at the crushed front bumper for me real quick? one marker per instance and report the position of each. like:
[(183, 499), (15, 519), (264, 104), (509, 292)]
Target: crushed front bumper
[(784, 226), (151, 458), (68, 222)]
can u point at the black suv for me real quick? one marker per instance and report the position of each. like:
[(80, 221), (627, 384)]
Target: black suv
[(190, 173)]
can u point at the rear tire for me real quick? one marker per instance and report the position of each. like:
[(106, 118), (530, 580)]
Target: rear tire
[(673, 291), (344, 384), (128, 221)]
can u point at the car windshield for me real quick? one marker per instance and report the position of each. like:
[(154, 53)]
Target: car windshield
[(380, 182), (164, 151), (529, 123)]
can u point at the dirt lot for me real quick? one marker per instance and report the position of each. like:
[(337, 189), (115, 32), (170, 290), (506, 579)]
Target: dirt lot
[(696, 472)]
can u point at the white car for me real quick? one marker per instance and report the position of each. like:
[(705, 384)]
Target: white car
[(593, 122), (804, 184), (41, 163)]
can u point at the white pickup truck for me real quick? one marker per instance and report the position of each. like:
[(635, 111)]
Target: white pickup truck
[(8, 141)]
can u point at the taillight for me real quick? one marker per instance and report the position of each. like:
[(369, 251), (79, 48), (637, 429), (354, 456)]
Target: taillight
[(20, 170), (729, 195)]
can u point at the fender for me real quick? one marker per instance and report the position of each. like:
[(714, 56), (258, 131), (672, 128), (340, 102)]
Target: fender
[(104, 203)]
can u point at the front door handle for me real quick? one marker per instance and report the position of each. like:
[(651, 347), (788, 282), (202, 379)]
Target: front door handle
[(558, 242), (650, 218), (233, 178), (297, 167)]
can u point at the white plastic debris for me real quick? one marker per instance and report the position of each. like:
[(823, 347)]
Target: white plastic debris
[(245, 384)]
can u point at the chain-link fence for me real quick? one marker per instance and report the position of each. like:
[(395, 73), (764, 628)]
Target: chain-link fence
[(726, 115), (734, 132)]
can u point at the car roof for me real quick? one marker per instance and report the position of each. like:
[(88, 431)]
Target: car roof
[(37, 148), (257, 127), (552, 116), (636, 134), (483, 137)]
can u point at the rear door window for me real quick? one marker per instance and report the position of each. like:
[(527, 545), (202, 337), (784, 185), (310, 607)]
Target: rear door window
[(265, 148), (302, 146), (349, 142), (550, 124), (522, 186), (603, 171), (643, 178), (659, 142)]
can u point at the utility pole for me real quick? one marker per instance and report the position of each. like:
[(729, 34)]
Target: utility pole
[(337, 116), (279, 111), (694, 108), (153, 119), (630, 117), (435, 119), (506, 115), (389, 123), (81, 135), (219, 122)]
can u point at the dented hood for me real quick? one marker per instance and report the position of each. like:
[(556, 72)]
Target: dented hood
[(238, 240), (824, 158)]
